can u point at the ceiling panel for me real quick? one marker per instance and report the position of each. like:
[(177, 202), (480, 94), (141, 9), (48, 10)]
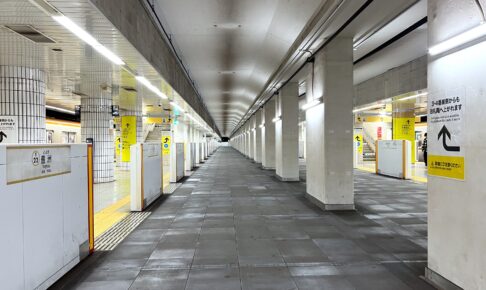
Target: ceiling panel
[(251, 38)]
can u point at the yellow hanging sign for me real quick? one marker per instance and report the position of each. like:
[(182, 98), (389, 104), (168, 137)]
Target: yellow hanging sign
[(404, 129), (129, 135), (165, 145)]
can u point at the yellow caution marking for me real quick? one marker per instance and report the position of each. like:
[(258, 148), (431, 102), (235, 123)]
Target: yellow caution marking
[(419, 179), (367, 169), (111, 215)]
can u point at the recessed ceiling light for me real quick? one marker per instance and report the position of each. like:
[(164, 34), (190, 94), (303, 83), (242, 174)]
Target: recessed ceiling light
[(227, 25), (227, 72)]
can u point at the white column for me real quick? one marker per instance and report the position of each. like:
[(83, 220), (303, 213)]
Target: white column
[(251, 138), (329, 129), (287, 133), (22, 96), (258, 136), (456, 205), (268, 135), (96, 115)]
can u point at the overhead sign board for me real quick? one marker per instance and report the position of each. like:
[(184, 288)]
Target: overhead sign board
[(446, 146), (9, 127), (25, 163)]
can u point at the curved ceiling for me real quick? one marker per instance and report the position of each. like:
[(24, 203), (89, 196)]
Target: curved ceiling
[(232, 47)]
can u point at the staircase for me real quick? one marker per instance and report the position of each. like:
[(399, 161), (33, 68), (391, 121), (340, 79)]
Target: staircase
[(368, 153)]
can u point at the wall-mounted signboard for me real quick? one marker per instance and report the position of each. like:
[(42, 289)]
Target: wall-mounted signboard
[(25, 163), (9, 127), (446, 146)]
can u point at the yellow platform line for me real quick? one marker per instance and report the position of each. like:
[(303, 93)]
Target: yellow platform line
[(109, 216)]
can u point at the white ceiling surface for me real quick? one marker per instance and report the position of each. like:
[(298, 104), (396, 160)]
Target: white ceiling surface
[(406, 49), (65, 68), (252, 51)]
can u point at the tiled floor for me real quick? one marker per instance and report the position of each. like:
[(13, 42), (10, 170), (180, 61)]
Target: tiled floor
[(232, 225)]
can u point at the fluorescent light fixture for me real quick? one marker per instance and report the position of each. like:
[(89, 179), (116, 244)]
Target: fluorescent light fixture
[(276, 119), (312, 104), (151, 87), (460, 39), (262, 126), (368, 108), (175, 105), (413, 97), (86, 37), (60, 110)]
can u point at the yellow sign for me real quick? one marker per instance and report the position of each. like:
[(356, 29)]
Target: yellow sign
[(165, 145), (117, 145), (404, 129), (358, 138), (129, 135), (446, 166)]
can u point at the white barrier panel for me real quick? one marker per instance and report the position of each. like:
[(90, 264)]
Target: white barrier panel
[(44, 212), (145, 174), (180, 161), (393, 158)]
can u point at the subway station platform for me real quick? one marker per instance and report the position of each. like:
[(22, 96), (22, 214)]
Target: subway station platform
[(232, 225)]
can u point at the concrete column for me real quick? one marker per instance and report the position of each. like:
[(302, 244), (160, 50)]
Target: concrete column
[(258, 136), (456, 205), (287, 133), (268, 135), (329, 137)]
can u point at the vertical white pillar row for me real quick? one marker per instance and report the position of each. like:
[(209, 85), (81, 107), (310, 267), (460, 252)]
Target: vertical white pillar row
[(258, 136), (456, 186), (329, 129), (253, 127), (196, 141), (247, 140), (187, 147), (22, 95), (96, 114), (287, 133), (268, 135)]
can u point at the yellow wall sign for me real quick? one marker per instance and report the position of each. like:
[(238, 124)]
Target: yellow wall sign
[(404, 129), (446, 166), (129, 135), (358, 139), (165, 145)]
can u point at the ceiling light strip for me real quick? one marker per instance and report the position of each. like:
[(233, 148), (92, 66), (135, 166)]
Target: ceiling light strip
[(458, 40), (86, 37)]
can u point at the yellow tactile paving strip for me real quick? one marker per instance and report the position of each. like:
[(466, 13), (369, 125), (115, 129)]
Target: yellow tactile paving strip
[(414, 178), (111, 215)]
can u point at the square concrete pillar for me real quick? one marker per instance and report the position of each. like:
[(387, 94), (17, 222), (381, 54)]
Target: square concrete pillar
[(252, 122), (456, 186), (268, 135), (258, 136), (329, 131), (287, 133)]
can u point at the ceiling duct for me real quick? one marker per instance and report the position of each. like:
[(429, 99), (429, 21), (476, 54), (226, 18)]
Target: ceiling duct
[(30, 33)]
